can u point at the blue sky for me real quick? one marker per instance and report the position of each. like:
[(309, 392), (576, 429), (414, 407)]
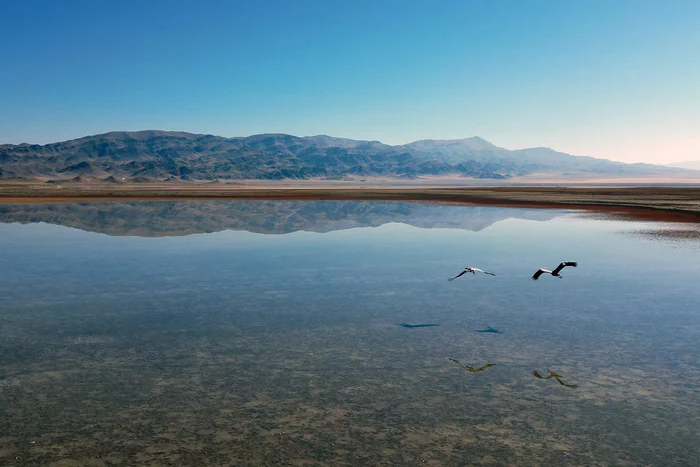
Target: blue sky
[(616, 79)]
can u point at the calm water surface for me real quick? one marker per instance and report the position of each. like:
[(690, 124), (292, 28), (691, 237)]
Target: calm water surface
[(268, 333)]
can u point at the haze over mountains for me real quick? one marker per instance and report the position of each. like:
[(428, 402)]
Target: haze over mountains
[(690, 165), (178, 156)]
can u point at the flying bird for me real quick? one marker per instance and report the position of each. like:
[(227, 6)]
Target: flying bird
[(472, 270), (554, 375), (555, 273), (471, 369)]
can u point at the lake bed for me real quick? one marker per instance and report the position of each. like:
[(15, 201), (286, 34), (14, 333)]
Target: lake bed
[(269, 333)]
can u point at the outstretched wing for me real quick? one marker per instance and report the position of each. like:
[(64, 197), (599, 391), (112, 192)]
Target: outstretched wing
[(485, 272), (537, 374), (457, 362), (481, 368), (565, 264), (538, 274), (458, 275), (567, 385)]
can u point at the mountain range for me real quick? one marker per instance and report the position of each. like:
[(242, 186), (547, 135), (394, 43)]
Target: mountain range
[(690, 165), (178, 156)]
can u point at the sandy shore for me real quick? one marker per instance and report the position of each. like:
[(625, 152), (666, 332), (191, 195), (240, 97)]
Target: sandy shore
[(664, 201)]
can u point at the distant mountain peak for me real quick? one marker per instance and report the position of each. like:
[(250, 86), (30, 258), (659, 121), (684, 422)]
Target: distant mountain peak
[(472, 142), (142, 134)]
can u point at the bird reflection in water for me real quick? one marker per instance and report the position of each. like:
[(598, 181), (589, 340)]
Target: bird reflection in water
[(413, 326), (471, 369), (554, 375)]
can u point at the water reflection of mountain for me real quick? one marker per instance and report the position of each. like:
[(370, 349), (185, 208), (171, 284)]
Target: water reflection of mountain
[(173, 218)]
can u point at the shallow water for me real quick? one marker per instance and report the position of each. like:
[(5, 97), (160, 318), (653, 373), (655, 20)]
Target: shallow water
[(130, 336)]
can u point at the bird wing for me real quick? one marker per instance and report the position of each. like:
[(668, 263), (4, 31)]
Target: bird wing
[(458, 275), (563, 265), (537, 374), (538, 274), (457, 362), (567, 385), (481, 270), (482, 368)]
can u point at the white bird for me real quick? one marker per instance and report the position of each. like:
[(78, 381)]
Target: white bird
[(555, 273), (472, 270)]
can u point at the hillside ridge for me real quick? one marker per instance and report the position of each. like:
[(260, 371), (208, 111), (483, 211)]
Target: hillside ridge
[(158, 155)]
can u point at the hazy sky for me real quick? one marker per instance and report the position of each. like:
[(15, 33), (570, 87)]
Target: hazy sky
[(616, 79)]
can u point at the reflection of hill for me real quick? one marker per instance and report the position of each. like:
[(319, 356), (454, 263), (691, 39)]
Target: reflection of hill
[(172, 218)]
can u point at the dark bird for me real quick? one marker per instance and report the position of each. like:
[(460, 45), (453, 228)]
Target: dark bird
[(489, 329), (471, 369), (554, 375), (472, 270), (555, 273), (411, 326)]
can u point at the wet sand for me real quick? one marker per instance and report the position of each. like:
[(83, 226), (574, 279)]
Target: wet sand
[(653, 203)]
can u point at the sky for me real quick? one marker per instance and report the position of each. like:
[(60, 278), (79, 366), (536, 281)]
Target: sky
[(613, 79)]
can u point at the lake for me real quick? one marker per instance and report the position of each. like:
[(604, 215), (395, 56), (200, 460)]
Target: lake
[(270, 333)]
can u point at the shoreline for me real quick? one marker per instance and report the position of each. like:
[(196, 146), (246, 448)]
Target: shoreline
[(679, 203)]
